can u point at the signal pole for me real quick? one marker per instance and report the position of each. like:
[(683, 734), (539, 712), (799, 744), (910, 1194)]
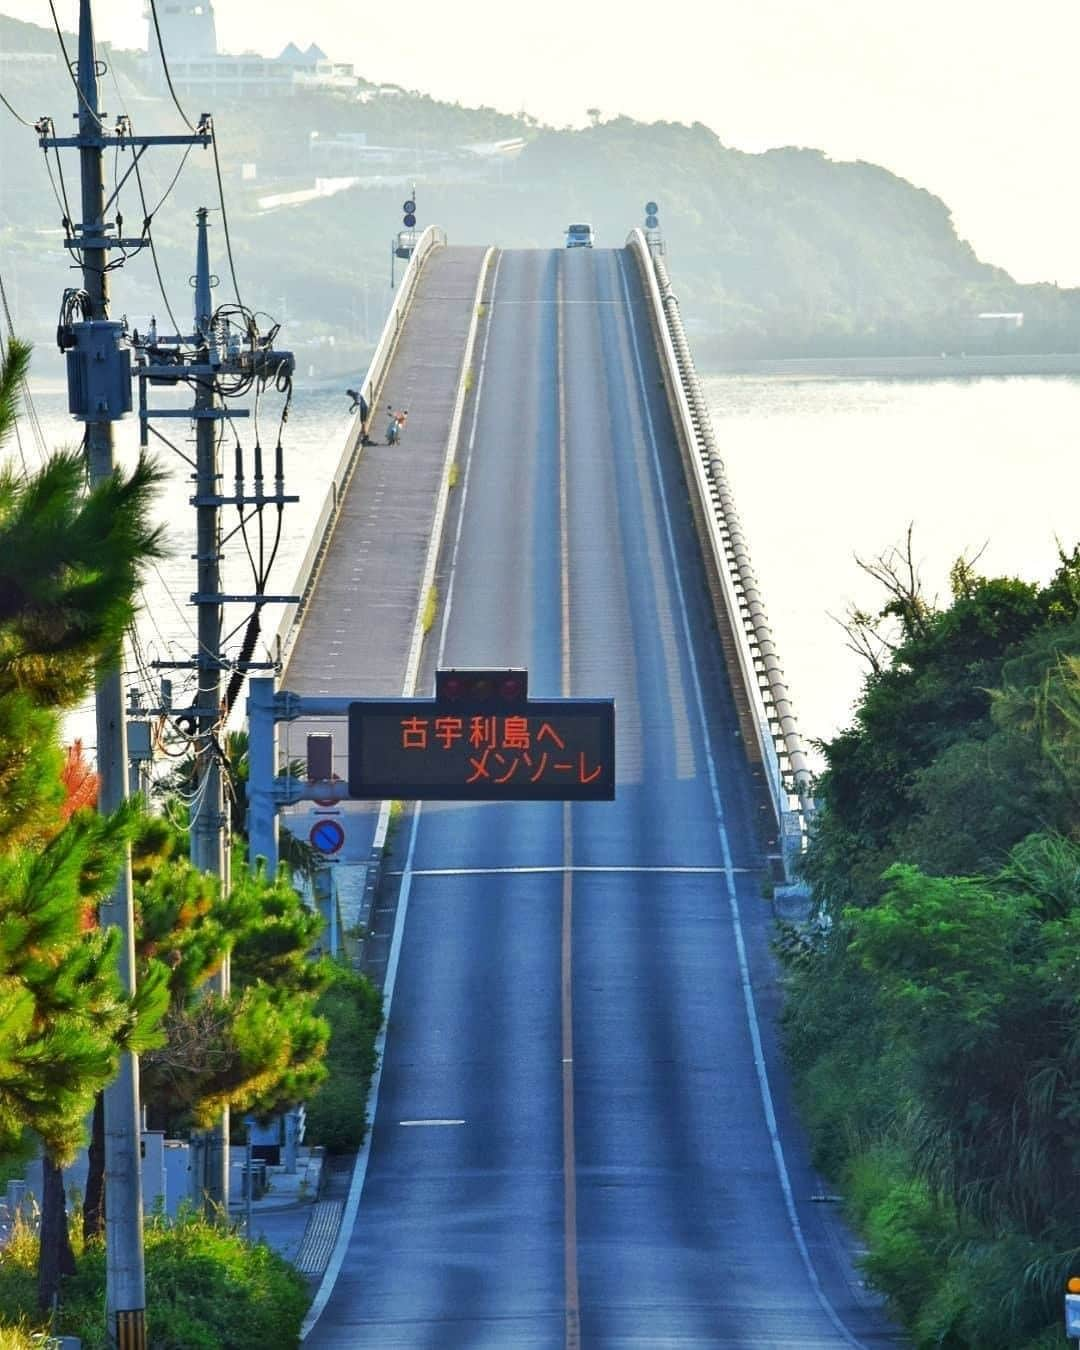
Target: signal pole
[(99, 382)]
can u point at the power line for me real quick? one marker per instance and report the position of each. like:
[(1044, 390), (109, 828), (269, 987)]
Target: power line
[(14, 114), (28, 402), (165, 66), (71, 73), (147, 218), (224, 215)]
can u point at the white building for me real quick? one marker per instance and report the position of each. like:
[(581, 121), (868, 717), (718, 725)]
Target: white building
[(189, 36)]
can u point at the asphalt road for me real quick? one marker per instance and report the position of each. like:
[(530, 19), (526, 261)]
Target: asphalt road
[(582, 1134)]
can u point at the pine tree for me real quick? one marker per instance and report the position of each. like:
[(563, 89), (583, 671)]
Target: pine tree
[(69, 564)]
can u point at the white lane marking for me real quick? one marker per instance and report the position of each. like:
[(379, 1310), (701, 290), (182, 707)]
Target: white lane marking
[(465, 476), (440, 1121), (541, 870), (733, 901), (352, 1204)]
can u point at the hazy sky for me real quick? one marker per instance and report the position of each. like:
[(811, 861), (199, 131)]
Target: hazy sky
[(973, 99)]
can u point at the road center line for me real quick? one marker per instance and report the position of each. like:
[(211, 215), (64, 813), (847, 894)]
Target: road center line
[(572, 1315)]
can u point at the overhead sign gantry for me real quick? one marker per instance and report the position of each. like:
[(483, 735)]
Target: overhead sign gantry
[(481, 738)]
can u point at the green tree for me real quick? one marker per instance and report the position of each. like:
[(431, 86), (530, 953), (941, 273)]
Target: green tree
[(260, 1050), (69, 564)]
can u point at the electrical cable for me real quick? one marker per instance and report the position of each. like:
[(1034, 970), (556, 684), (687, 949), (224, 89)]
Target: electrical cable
[(147, 218), (165, 66), (28, 402), (71, 73), (224, 213), (15, 420), (14, 114)]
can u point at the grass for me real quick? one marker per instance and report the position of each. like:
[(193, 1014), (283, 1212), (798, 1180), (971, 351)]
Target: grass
[(431, 607), (205, 1288)]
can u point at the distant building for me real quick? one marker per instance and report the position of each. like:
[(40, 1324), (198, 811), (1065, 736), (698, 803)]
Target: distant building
[(987, 324), (189, 36), (188, 31)]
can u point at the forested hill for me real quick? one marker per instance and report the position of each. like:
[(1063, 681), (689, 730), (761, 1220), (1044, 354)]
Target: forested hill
[(786, 249), (781, 253)]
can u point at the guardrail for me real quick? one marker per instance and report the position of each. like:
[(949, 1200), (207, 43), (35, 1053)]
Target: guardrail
[(432, 237), (777, 735)]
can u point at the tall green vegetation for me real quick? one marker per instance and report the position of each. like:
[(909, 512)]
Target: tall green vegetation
[(932, 1019), (69, 563)]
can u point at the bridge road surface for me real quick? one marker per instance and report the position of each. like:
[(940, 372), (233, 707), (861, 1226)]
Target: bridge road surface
[(369, 578), (570, 1146)]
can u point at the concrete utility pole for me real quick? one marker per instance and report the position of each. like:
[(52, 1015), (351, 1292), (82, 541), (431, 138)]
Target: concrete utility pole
[(125, 1288), (208, 833), (99, 390)]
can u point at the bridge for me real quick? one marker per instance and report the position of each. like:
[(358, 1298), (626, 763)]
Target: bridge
[(582, 1131)]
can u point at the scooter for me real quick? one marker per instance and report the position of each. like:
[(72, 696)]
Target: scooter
[(395, 426)]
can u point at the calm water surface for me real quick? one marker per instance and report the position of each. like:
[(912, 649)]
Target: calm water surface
[(823, 470), (827, 469)]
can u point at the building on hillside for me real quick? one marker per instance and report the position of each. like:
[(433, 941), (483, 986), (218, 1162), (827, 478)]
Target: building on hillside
[(998, 323), (188, 31), (189, 36)]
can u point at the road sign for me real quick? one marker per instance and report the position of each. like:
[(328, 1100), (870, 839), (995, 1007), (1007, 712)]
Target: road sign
[(327, 836), (455, 749), (651, 208), (1072, 1314)]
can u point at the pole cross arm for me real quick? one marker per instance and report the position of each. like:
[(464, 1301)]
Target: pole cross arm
[(92, 141)]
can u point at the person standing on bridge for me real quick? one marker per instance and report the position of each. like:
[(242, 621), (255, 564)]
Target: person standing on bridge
[(360, 405)]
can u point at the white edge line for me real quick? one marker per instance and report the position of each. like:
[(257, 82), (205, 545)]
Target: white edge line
[(733, 901), (356, 1186), (468, 465)]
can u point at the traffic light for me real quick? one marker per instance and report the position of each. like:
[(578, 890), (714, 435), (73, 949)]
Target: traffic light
[(494, 687), (409, 207), (652, 218)]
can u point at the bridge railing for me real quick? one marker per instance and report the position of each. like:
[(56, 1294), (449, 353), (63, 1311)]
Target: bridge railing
[(778, 741), (432, 237)]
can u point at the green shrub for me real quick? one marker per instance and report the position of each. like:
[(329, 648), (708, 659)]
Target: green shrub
[(907, 1230), (336, 1114), (206, 1289)]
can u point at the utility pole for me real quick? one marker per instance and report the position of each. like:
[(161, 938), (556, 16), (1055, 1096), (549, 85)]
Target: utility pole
[(208, 833), (219, 347), (99, 380), (125, 1290)]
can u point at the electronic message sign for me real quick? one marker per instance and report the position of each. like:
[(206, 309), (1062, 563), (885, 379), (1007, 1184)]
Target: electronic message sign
[(481, 739)]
